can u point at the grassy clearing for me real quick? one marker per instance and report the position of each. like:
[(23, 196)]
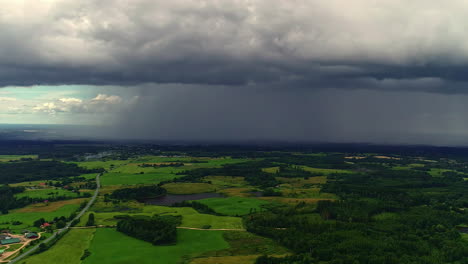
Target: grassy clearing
[(435, 172), (101, 164), (293, 201), (244, 247), (325, 171), (68, 250), (271, 169), (306, 193), (50, 207), (299, 182), (113, 178), (234, 206), (190, 217), (226, 260), (7, 158), (47, 193), (239, 192), (226, 181), (386, 216), (112, 247), (189, 188)]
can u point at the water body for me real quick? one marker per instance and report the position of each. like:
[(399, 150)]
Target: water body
[(170, 199)]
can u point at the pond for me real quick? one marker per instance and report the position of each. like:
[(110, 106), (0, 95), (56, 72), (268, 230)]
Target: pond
[(170, 199)]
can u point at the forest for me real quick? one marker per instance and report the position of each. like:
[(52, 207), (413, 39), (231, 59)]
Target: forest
[(398, 216), (138, 193), (12, 172)]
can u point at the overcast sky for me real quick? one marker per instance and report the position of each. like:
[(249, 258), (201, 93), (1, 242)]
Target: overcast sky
[(385, 71)]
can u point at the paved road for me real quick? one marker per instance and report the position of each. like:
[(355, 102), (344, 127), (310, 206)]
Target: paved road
[(59, 231)]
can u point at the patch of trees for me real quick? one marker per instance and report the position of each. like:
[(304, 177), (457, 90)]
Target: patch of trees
[(294, 171), (9, 201), (251, 171), (162, 165), (158, 230), (139, 193), (90, 221), (39, 170)]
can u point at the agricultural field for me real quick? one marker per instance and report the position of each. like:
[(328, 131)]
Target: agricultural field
[(325, 171), (110, 247), (115, 178), (69, 250), (189, 188), (234, 206), (244, 248), (47, 193), (190, 217), (27, 215)]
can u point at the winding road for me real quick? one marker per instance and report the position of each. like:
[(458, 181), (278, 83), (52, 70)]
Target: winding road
[(59, 231)]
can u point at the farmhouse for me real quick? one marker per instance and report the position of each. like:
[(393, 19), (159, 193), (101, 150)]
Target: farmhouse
[(10, 241), (31, 235)]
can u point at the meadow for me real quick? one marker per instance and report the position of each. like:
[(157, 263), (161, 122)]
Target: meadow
[(190, 217), (29, 214), (112, 247), (189, 188), (113, 178), (234, 206), (7, 158), (47, 193), (69, 250)]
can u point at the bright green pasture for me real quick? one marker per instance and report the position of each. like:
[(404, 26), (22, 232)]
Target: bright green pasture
[(190, 217), (233, 206), (68, 250), (436, 172), (6, 158), (208, 162), (28, 218), (325, 171), (108, 164), (46, 193), (112, 247)]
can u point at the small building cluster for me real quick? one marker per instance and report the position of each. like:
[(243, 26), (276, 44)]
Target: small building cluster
[(10, 240)]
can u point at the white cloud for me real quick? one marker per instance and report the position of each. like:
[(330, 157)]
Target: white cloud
[(71, 100), (102, 103), (107, 99), (7, 99)]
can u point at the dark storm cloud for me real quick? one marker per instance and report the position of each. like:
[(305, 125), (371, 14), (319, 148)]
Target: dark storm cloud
[(216, 113), (310, 44)]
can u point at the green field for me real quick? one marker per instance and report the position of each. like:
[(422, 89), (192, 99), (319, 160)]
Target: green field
[(234, 206), (68, 250), (46, 193), (325, 171), (6, 158), (190, 217), (27, 218), (435, 172), (112, 247), (112, 178)]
